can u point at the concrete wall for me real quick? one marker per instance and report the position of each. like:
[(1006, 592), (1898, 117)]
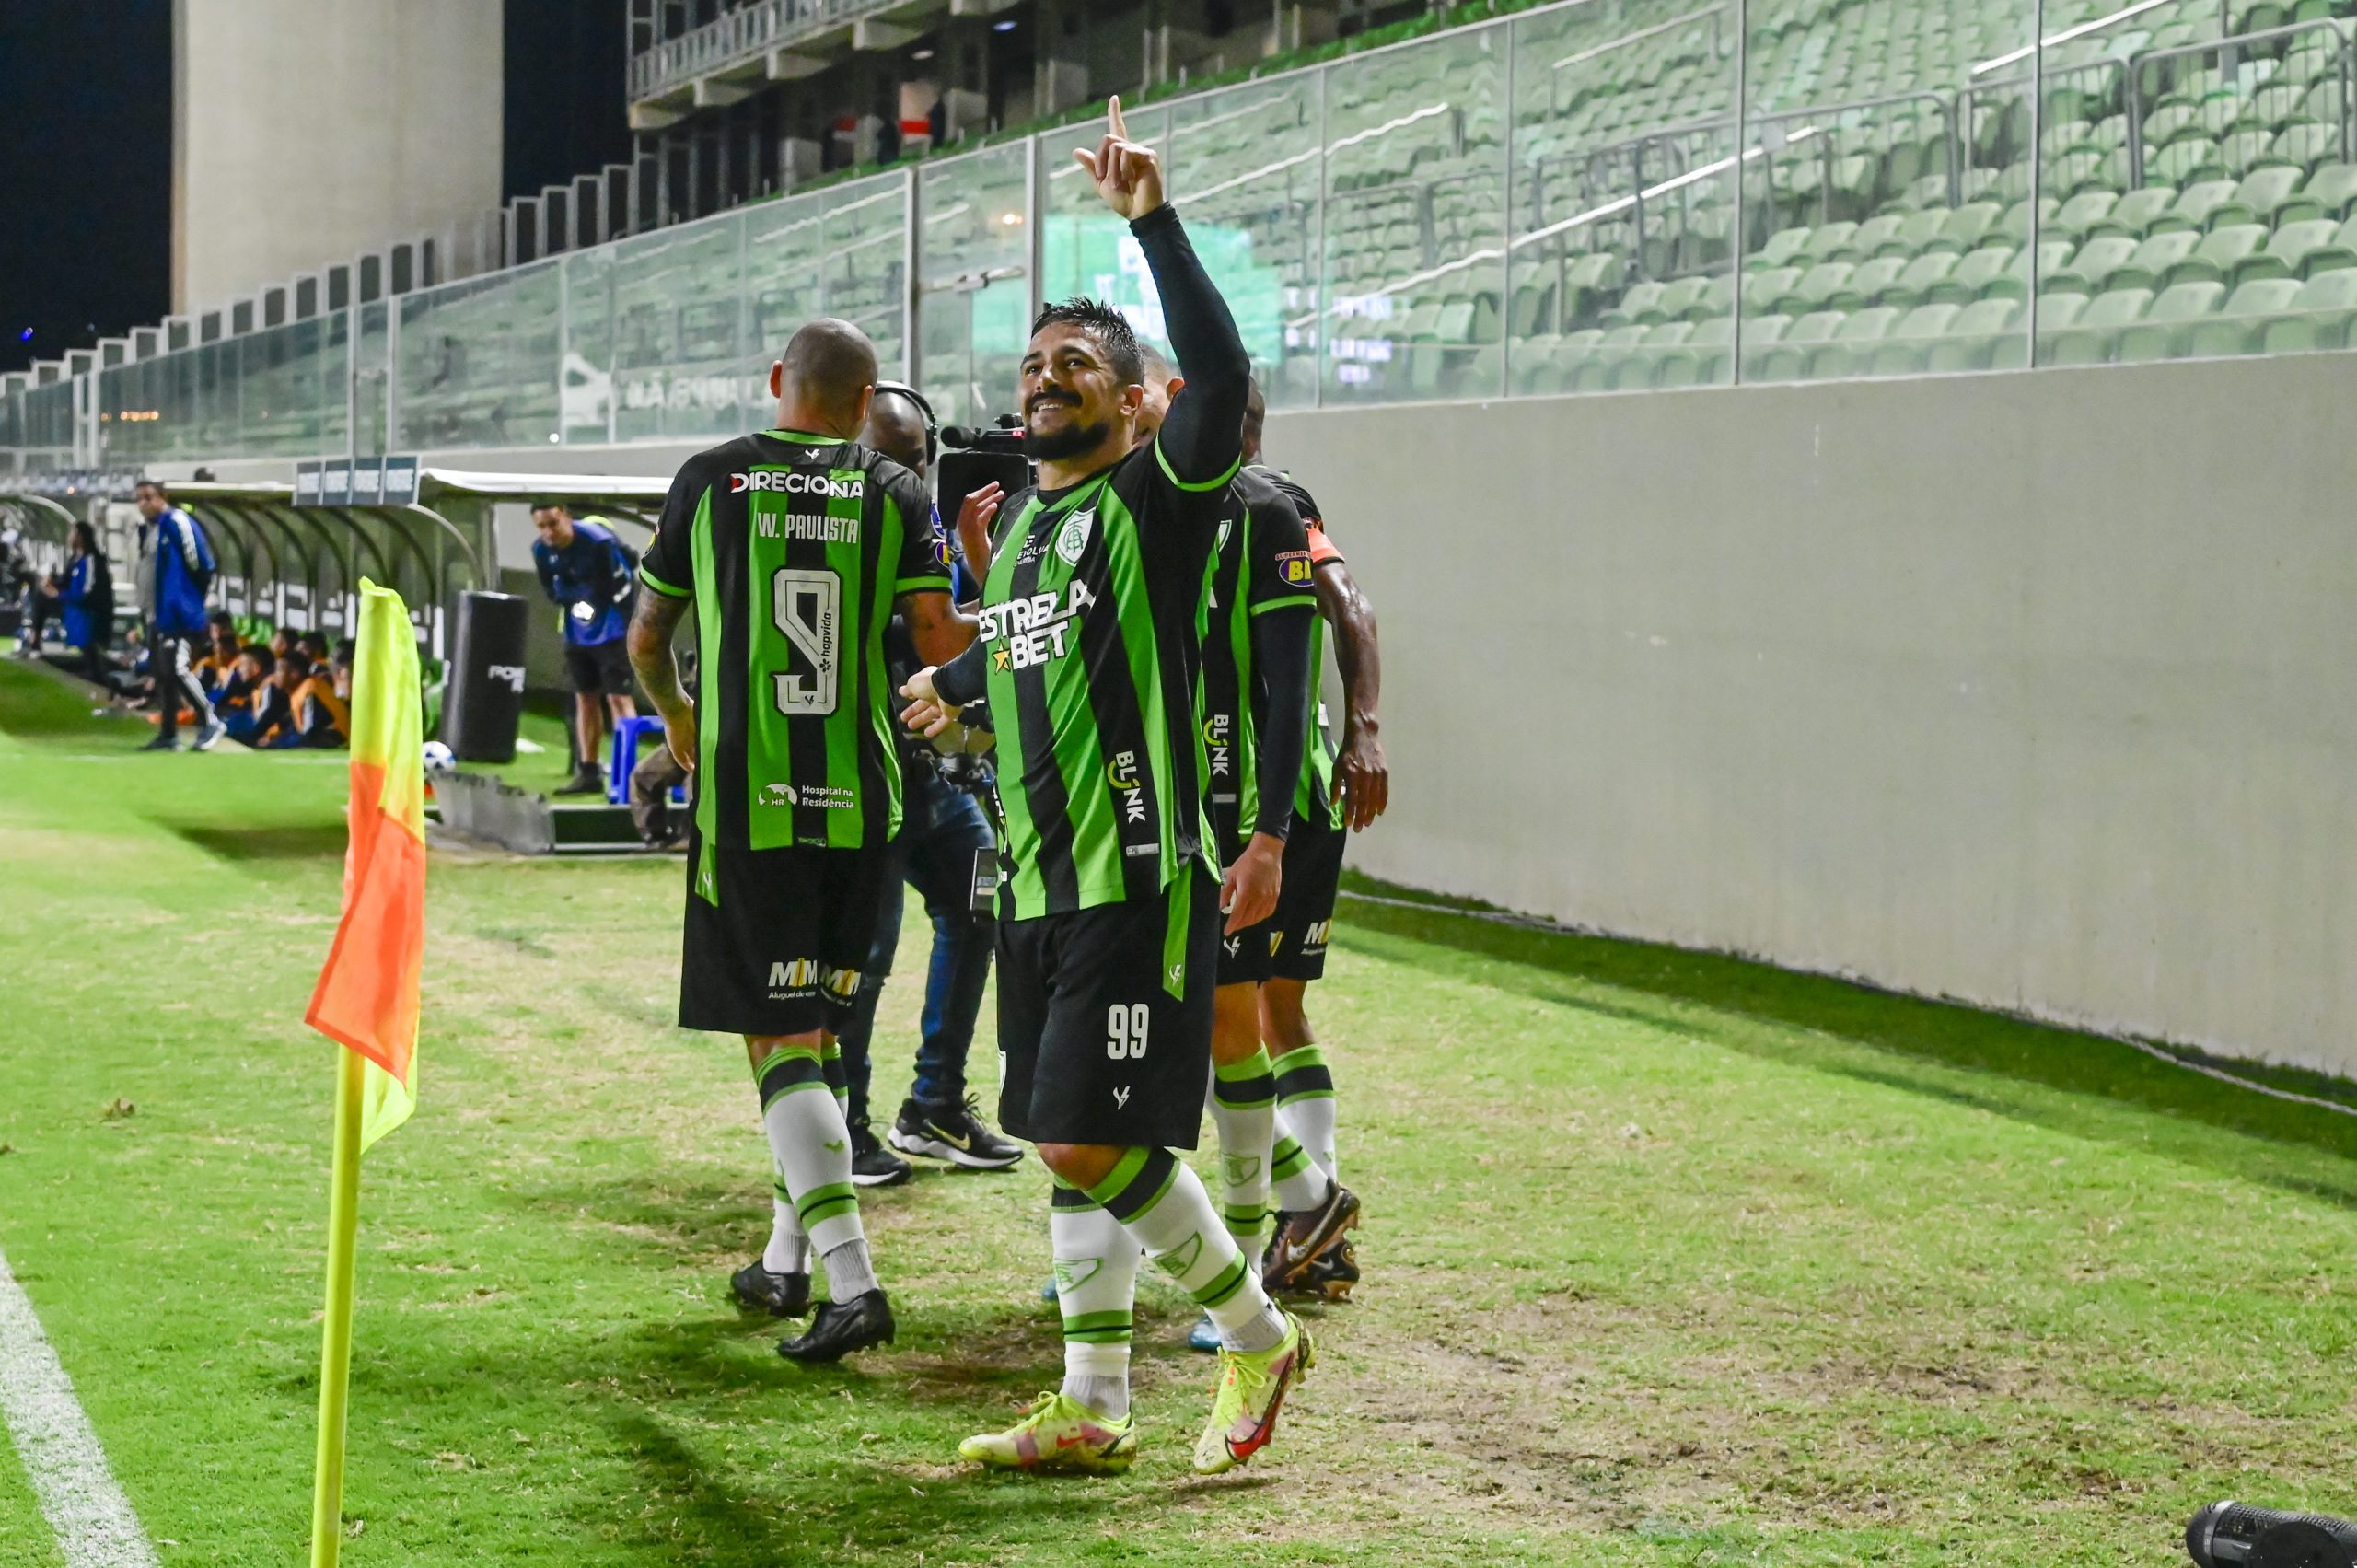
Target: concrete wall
[(2037, 691), (308, 130)]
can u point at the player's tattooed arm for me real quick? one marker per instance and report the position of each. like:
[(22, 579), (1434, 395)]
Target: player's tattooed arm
[(1361, 775), (651, 625)]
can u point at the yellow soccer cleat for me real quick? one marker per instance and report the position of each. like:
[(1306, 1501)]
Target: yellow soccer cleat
[(1057, 1434), (1252, 1386)]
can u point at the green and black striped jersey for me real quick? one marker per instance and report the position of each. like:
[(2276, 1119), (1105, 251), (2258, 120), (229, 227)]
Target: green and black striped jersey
[(1090, 620), (793, 547), (1314, 801), (1261, 564)]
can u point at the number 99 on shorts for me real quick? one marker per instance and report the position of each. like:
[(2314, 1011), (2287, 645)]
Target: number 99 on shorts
[(1125, 1031)]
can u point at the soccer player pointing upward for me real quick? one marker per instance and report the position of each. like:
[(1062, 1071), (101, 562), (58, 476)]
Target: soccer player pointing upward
[(792, 546), (1109, 910)]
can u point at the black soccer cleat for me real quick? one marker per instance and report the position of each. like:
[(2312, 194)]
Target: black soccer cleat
[(1301, 1239), (780, 1295), (959, 1135), (587, 779), (1333, 1273), (841, 1328), (873, 1165)]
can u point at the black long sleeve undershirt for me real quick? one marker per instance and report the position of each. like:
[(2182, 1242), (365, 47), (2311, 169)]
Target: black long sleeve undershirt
[(1202, 436), (1280, 653)]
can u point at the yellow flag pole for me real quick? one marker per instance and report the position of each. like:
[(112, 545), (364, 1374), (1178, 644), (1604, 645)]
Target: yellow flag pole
[(335, 1341)]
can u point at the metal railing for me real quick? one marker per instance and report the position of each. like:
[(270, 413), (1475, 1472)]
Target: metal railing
[(737, 38)]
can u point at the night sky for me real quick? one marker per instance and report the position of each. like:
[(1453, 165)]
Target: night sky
[(85, 213)]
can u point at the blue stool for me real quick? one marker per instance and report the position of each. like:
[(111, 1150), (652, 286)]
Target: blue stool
[(627, 734)]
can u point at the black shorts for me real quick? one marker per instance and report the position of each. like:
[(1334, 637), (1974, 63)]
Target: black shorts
[(601, 668), (780, 952), (1291, 944), (1094, 1048)]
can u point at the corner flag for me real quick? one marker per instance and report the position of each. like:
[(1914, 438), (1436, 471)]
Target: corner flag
[(367, 998)]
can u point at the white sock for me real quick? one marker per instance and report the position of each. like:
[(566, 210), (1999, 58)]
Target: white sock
[(789, 1249), (849, 1273), (812, 1148), (1097, 1287), (1244, 1111), (1305, 1102), (1163, 1206), (1301, 1185)]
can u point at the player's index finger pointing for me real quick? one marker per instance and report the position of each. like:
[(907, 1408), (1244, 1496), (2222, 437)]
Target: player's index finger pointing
[(1113, 117)]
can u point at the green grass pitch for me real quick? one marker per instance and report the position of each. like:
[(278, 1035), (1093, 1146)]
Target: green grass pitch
[(1669, 1259)]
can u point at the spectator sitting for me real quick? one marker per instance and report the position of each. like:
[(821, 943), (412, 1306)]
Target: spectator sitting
[(323, 707), (241, 702), (221, 653), (275, 724), (314, 645), (281, 639)]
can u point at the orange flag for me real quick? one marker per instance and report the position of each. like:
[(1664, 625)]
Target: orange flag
[(366, 997)]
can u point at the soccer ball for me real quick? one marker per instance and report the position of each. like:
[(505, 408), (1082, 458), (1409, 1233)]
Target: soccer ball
[(438, 758)]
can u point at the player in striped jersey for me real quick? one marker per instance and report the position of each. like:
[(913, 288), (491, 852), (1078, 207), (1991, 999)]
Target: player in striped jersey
[(792, 546), (1109, 909)]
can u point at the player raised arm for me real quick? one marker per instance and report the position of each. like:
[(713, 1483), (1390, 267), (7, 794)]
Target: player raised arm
[(1199, 443)]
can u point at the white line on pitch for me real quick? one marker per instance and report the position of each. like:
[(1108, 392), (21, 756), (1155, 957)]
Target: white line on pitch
[(94, 1526)]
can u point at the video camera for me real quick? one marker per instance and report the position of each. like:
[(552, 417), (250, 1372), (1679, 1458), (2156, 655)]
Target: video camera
[(975, 455)]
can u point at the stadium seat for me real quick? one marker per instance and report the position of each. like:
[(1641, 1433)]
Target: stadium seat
[(2091, 267), (2295, 245), (1975, 335), (1640, 305), (1702, 360), (1880, 237), (2329, 193), (2092, 337), (2258, 197), (2078, 216), (1588, 283), (1829, 242), (1965, 227), (1594, 372), (2319, 315), (2305, 147), (2166, 330), (1907, 348), (2235, 328), (2193, 206), (1679, 300), (1923, 275), (1789, 357), (1852, 351), (2191, 160), (2150, 264), (2136, 212), (2220, 254), (1780, 248), (1868, 283), (1642, 367), (1971, 276)]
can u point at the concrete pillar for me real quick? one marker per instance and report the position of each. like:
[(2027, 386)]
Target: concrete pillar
[(1061, 68), (305, 133)]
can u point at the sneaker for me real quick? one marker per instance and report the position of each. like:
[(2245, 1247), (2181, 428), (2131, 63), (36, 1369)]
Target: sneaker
[(873, 1165), (162, 743), (959, 1135), (1252, 1387), (841, 1327), (1058, 1432), (1204, 1335), (210, 736), (780, 1295), (1286, 1263), (587, 779)]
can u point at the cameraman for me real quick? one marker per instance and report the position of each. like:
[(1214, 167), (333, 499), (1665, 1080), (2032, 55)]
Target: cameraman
[(942, 837)]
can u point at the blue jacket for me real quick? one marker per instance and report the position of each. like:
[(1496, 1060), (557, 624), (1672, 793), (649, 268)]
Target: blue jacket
[(87, 601), (591, 579), (177, 570)]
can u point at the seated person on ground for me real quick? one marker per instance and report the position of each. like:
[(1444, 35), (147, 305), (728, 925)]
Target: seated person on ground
[(238, 703), (322, 712), (275, 724), (220, 654), (314, 645)]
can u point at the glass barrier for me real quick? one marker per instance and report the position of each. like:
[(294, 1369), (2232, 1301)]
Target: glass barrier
[(974, 284), (1558, 200)]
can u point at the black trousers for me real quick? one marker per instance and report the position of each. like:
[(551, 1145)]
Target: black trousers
[(176, 683)]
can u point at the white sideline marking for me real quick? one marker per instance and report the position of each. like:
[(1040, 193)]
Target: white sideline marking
[(95, 1525)]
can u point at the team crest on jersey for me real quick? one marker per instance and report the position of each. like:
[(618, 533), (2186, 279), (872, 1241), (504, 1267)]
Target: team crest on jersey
[(1074, 537)]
